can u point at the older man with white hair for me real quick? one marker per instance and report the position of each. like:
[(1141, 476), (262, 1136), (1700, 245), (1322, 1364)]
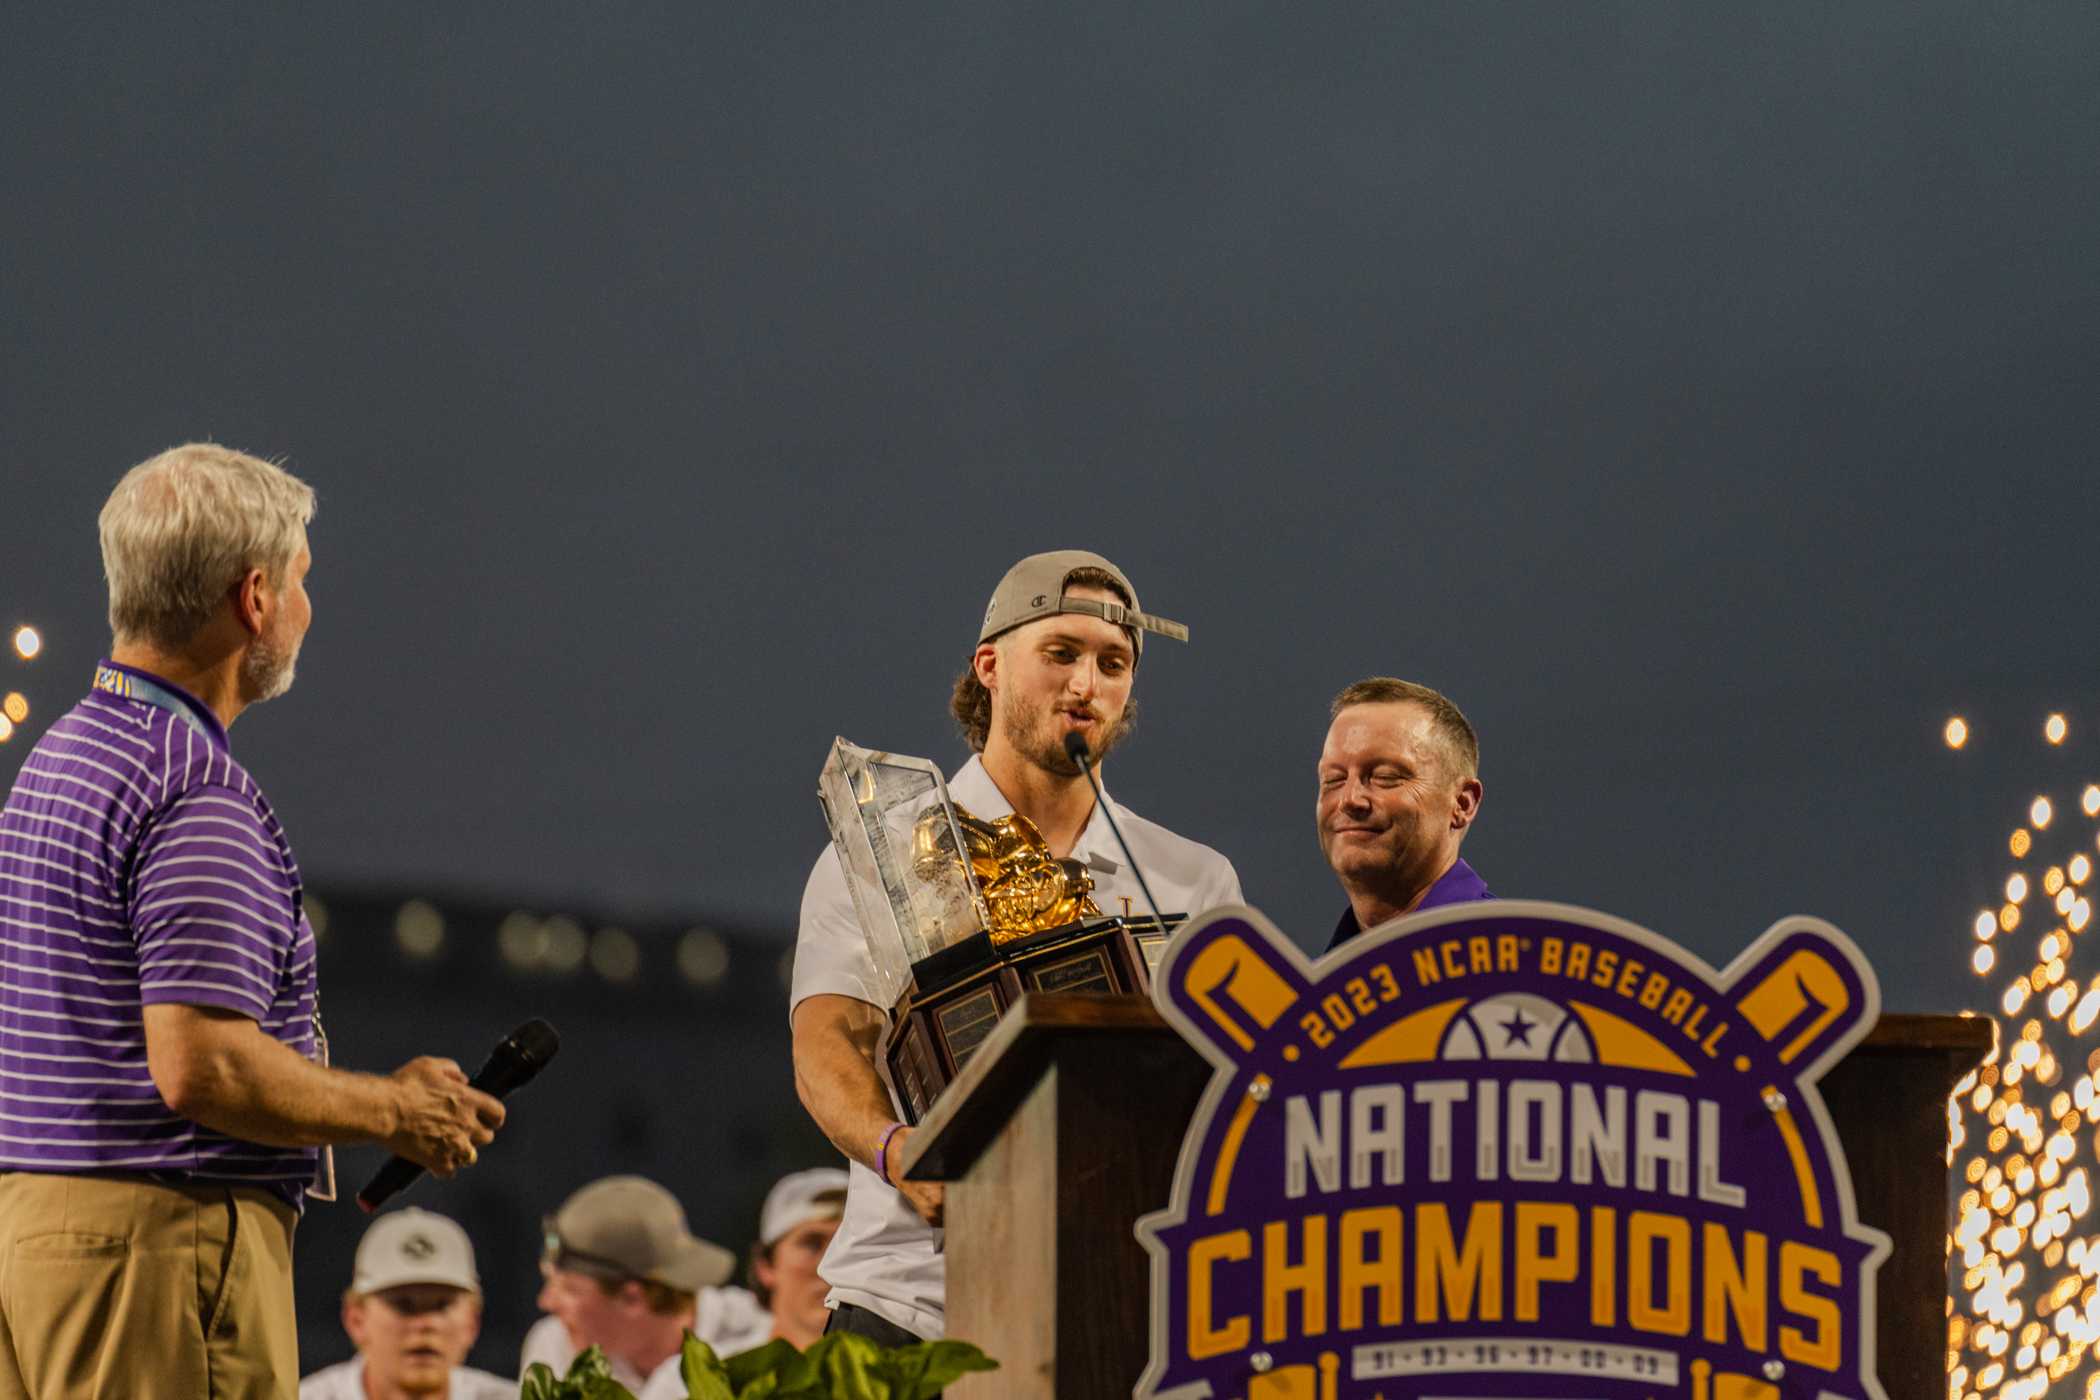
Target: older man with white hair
[(165, 1103)]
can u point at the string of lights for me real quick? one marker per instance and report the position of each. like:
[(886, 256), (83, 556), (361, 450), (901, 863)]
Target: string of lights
[(2025, 1317), (427, 934)]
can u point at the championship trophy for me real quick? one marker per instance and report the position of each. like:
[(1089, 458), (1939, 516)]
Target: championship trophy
[(964, 915)]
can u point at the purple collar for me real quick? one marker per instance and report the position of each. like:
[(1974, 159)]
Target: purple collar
[(1457, 885)]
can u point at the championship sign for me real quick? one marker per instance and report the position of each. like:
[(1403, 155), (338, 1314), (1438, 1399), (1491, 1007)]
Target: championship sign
[(1512, 1151)]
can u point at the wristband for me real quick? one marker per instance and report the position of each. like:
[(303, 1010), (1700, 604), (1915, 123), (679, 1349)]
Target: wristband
[(882, 1153)]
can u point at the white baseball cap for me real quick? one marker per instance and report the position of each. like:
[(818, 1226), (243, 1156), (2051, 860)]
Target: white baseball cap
[(414, 1246), (817, 1194)]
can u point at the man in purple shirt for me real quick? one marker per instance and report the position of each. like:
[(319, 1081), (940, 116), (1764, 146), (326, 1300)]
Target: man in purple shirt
[(1399, 786), (164, 1096)]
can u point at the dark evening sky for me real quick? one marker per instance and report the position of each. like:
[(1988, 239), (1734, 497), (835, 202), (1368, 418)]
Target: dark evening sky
[(1704, 397)]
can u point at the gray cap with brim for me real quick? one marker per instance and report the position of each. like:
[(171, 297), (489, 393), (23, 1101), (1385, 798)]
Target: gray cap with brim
[(636, 1226), (1035, 588)]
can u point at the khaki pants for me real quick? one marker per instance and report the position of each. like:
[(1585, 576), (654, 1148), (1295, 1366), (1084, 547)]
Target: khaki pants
[(124, 1288)]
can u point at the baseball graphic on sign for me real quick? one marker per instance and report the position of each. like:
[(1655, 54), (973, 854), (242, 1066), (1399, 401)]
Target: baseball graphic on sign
[(1512, 1151)]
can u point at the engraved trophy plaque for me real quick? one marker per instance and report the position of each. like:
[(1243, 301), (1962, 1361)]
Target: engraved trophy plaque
[(963, 916)]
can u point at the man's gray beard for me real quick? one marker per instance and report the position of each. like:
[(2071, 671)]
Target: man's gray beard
[(266, 671)]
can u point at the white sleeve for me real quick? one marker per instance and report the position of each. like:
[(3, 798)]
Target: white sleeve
[(831, 955), (1220, 886), (330, 1383), (730, 1320), (667, 1382)]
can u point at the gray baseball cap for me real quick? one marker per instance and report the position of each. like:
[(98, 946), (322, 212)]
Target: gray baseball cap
[(413, 1246), (1035, 588), (630, 1226)]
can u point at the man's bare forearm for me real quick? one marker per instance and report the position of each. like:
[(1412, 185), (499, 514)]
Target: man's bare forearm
[(835, 1076), (224, 1071), (835, 1044)]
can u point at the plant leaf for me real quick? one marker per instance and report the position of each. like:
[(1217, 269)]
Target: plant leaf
[(540, 1384), (776, 1371), (702, 1371), (603, 1388), (591, 1365), (924, 1369), (852, 1367), (590, 1378), (760, 1361), (837, 1366)]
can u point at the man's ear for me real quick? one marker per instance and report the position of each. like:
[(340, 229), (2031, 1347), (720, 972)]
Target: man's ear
[(253, 597), (354, 1319), (986, 664), (473, 1320), (1465, 803)]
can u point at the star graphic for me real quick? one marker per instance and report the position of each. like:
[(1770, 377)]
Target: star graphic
[(1518, 1030)]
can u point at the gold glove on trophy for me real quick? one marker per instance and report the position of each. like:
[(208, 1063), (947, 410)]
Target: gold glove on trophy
[(963, 917), (1026, 889)]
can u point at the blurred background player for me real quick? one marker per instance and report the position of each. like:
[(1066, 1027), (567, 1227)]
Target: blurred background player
[(795, 1227), (621, 1272), (413, 1310)]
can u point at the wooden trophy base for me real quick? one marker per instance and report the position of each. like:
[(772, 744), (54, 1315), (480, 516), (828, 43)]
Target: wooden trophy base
[(959, 994)]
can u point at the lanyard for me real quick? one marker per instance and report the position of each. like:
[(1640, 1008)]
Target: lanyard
[(133, 686)]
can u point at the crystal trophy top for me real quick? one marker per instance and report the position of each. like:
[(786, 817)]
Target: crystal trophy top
[(880, 807)]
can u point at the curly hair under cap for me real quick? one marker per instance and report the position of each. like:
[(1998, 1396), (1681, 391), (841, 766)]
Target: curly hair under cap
[(971, 704)]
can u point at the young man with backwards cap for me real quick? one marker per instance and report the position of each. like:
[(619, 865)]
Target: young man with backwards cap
[(795, 1227), (1056, 656), (413, 1311), (624, 1274)]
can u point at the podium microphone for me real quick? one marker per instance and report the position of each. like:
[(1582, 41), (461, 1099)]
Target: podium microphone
[(511, 1065), (1076, 750)]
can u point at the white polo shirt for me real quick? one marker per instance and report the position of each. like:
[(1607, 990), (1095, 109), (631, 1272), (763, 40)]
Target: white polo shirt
[(884, 1257), (346, 1381)]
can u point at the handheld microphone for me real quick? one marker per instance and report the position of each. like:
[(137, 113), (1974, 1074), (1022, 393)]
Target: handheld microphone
[(511, 1065), (1076, 750)]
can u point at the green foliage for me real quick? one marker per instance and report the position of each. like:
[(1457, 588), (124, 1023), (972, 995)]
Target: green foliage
[(840, 1366), (702, 1372), (589, 1378)]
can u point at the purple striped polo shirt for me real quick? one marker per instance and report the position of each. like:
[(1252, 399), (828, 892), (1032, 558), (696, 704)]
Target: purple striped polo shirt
[(139, 863)]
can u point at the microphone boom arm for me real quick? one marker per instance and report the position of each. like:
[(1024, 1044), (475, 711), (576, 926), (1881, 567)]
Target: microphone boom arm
[(1076, 750)]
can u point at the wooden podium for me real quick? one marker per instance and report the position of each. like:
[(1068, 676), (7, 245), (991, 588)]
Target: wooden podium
[(1065, 1126)]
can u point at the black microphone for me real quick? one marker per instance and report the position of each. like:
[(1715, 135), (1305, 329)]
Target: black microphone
[(511, 1065), (1076, 750)]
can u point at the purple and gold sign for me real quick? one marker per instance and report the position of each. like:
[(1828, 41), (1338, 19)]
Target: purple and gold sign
[(1512, 1151)]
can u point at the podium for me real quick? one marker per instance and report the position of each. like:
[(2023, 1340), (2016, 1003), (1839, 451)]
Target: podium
[(1065, 1126)]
